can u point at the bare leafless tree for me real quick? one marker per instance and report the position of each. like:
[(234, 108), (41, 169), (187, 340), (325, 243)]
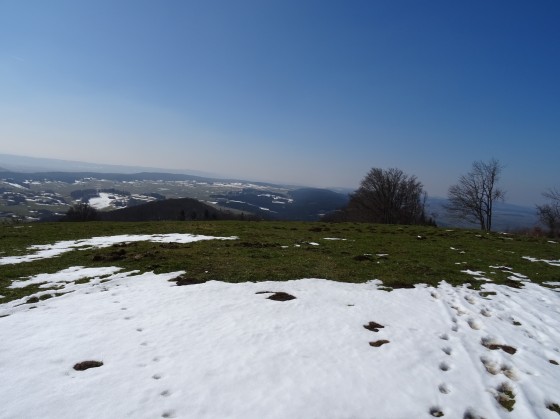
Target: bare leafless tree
[(389, 197), (472, 199), (549, 213)]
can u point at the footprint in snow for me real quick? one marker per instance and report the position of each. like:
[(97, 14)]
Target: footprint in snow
[(474, 324), (168, 414), (436, 412), (447, 350), (444, 388), (165, 393), (470, 299), (486, 313), (444, 366), (444, 336)]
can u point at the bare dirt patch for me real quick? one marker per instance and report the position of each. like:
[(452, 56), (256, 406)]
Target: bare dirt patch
[(490, 344), (505, 396), (378, 343), (85, 365), (184, 280), (373, 326), (278, 296)]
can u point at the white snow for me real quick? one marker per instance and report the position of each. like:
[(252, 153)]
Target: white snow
[(550, 262), (60, 278), (220, 350), (58, 248), (105, 200), (334, 238), (14, 185), (478, 275)]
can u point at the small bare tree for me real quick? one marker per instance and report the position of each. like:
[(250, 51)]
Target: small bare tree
[(549, 214), (472, 199)]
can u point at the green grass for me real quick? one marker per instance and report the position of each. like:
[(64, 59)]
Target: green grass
[(268, 251)]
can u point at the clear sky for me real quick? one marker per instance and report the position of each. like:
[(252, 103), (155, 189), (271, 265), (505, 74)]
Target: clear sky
[(304, 92)]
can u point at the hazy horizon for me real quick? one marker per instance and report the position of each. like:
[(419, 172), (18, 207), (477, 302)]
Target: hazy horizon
[(305, 93)]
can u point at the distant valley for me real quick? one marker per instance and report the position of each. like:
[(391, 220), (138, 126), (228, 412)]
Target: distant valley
[(47, 196), (42, 195)]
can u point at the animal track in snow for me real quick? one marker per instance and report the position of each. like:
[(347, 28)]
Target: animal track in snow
[(444, 388), (444, 366), (168, 414), (165, 393), (470, 299), (454, 328), (444, 336), (447, 350), (156, 376)]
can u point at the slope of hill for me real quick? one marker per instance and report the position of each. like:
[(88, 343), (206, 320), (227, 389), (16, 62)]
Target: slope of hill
[(205, 317), (303, 204), (169, 209)]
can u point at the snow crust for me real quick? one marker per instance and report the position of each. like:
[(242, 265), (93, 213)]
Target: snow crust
[(219, 350)]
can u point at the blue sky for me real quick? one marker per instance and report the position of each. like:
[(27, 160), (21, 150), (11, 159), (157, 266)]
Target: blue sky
[(304, 92)]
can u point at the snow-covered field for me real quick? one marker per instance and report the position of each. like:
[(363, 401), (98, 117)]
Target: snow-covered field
[(220, 350)]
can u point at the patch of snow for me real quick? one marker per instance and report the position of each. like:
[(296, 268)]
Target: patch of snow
[(478, 275), (309, 357), (14, 185), (332, 238), (552, 241), (313, 243), (105, 200), (550, 262), (71, 274), (51, 250)]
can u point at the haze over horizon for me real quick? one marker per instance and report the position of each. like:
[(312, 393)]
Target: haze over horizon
[(301, 92)]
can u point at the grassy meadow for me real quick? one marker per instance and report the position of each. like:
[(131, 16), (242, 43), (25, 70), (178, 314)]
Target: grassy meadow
[(400, 256)]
